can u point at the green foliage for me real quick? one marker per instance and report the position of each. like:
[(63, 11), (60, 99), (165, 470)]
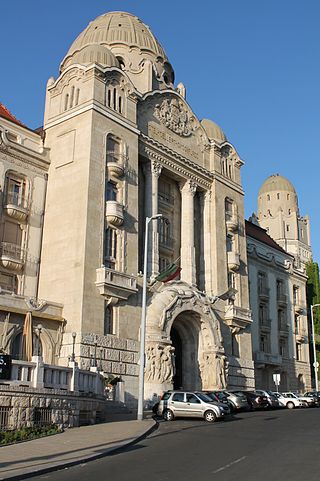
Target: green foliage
[(313, 292), (26, 434)]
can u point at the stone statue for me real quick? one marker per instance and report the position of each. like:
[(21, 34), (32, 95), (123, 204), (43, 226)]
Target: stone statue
[(159, 363), (222, 365)]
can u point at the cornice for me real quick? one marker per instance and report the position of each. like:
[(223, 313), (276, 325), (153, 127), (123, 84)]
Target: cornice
[(175, 162), (24, 160)]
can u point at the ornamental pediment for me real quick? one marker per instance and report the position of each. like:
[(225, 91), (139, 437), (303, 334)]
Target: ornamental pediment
[(174, 114)]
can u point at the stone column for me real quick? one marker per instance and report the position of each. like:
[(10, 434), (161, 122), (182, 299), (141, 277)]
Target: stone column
[(155, 174), (206, 254), (152, 173), (188, 261)]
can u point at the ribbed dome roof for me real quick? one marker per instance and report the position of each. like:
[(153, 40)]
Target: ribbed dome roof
[(117, 28), (276, 183), (213, 130), (94, 54)]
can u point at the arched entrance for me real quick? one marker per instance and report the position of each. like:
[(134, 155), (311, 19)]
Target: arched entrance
[(185, 339)]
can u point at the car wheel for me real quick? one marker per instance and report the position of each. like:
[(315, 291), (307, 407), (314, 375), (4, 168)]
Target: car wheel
[(210, 416), (290, 405), (168, 415)]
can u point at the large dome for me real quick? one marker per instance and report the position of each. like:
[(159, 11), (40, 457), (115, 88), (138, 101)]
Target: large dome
[(116, 29), (276, 183)]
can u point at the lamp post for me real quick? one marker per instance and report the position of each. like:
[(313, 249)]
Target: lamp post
[(39, 329), (315, 364), (74, 335), (143, 318)]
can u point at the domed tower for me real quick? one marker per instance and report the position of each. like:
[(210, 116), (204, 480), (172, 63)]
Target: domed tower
[(92, 197), (278, 213)]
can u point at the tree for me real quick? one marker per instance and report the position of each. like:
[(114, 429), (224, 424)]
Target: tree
[(313, 292)]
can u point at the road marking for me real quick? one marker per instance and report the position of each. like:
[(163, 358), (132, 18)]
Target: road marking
[(229, 465)]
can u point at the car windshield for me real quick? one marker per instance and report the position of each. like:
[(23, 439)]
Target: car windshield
[(204, 397), (221, 396)]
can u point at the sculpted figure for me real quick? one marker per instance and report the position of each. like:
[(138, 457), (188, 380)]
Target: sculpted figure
[(207, 368), (167, 364), (221, 371)]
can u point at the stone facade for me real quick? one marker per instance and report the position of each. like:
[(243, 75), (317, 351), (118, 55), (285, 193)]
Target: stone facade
[(120, 143)]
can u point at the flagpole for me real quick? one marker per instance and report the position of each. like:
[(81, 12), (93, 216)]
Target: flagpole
[(143, 319)]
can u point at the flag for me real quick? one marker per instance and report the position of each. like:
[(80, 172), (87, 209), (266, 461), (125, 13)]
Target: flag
[(170, 273)]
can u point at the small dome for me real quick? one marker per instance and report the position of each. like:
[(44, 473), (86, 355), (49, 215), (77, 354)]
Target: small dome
[(114, 29), (213, 130), (93, 54), (276, 183)]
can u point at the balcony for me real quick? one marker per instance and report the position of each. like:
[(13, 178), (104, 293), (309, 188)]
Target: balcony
[(116, 164), (264, 292), (165, 199), (282, 298), (114, 213), (265, 324), (301, 334), (233, 261), (265, 358), (232, 222), (115, 285), (283, 328), (237, 316), (12, 256), (298, 308), (16, 206)]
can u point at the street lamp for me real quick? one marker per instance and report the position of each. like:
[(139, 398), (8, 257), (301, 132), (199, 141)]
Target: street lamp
[(39, 329), (143, 318), (315, 365), (74, 335)]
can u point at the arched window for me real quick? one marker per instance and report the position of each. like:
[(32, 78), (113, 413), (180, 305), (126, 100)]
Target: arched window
[(108, 320)]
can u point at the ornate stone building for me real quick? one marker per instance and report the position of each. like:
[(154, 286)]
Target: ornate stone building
[(120, 143), (278, 243)]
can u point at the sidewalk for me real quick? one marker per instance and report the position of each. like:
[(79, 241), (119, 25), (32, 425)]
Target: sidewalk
[(74, 446)]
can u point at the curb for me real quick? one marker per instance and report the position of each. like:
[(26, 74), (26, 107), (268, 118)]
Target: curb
[(93, 457)]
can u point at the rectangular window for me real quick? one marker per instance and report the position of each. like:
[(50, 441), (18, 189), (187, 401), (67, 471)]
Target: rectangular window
[(111, 191), (8, 282), (229, 243), (108, 320), (110, 248), (16, 191)]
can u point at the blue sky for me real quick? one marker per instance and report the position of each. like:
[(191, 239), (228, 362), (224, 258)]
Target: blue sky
[(251, 66)]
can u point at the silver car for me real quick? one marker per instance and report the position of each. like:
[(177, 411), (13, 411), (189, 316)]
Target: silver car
[(175, 404)]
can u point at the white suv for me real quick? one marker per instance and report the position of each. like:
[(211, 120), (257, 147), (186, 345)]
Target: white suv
[(190, 404), (289, 400)]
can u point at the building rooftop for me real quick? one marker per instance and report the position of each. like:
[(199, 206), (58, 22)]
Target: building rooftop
[(260, 234), (5, 113)]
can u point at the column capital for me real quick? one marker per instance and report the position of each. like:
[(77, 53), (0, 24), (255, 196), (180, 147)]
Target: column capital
[(156, 168), (188, 187)]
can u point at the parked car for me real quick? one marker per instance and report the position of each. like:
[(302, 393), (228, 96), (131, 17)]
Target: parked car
[(315, 395), (256, 401), (219, 396), (238, 400), (175, 404), (272, 399), (290, 400)]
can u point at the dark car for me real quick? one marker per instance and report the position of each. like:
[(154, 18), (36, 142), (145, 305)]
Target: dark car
[(219, 396), (315, 395), (256, 401)]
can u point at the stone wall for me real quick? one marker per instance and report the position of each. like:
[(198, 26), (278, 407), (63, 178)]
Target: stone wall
[(24, 406)]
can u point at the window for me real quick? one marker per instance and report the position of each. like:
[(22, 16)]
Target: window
[(110, 248), (8, 282), (262, 314), (231, 280), (234, 345), (278, 196), (280, 290), (268, 197), (264, 343), (262, 282), (191, 398), (283, 347), (165, 232), (288, 228), (282, 321), (228, 205), (108, 320), (229, 243), (298, 351), (178, 396), (15, 190), (111, 191), (114, 99), (295, 294), (163, 263)]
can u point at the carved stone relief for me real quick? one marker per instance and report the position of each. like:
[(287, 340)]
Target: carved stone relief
[(176, 117), (159, 363)]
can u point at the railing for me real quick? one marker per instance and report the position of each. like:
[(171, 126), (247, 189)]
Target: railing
[(166, 198), (267, 358), (42, 416), (36, 374), (281, 297), (4, 417), (116, 157), (263, 291), (12, 251), (16, 199), (119, 279)]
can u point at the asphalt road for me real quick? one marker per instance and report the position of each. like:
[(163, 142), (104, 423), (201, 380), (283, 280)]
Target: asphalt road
[(277, 445)]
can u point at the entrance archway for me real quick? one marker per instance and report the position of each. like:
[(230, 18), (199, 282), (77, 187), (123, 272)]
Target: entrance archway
[(185, 337)]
